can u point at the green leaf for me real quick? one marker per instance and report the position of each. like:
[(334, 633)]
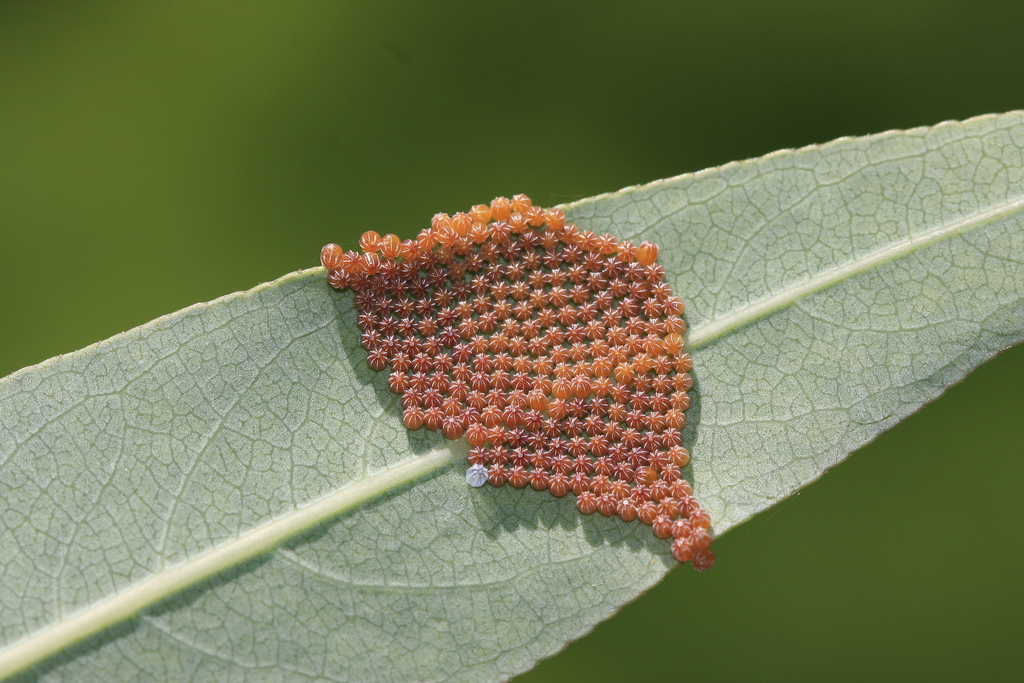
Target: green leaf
[(832, 291)]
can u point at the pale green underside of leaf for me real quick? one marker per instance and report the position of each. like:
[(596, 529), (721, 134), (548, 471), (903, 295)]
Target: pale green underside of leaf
[(831, 291)]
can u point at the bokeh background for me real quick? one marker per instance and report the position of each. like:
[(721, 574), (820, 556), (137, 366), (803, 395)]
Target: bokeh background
[(153, 155)]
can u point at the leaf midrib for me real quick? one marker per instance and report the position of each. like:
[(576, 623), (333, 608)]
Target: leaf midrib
[(166, 582), (715, 329)]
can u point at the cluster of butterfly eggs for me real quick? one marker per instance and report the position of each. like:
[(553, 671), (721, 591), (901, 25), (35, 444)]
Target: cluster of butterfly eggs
[(556, 352)]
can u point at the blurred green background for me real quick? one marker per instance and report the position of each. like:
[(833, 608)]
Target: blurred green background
[(153, 155)]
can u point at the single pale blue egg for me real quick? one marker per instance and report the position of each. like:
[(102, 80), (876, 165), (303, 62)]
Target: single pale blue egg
[(476, 476)]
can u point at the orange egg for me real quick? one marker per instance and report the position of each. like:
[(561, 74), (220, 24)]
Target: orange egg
[(331, 256)]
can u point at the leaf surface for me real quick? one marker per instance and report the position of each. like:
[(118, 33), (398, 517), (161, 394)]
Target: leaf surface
[(831, 291)]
